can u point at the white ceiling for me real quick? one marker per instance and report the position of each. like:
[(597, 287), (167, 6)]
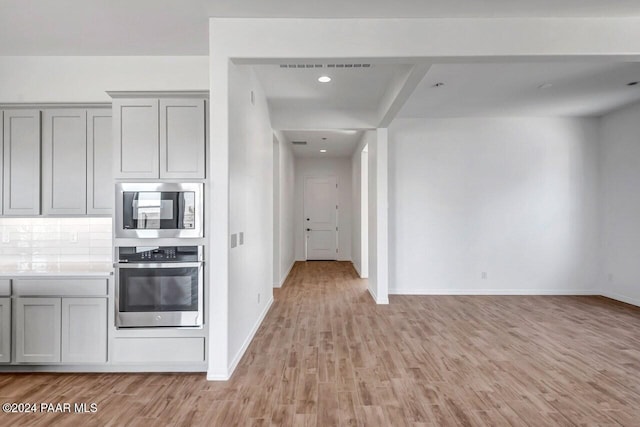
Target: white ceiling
[(178, 27), (492, 89), (338, 143), (350, 88)]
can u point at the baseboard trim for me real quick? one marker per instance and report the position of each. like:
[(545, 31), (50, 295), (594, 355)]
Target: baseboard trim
[(245, 345), (621, 298), (356, 268), (380, 301), (213, 377), (532, 292), (284, 278)]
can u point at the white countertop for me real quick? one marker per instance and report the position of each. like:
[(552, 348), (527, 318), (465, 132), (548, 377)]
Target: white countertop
[(24, 269)]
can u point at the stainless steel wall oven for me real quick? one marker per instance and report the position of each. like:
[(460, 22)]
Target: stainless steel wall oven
[(159, 286), (159, 210)]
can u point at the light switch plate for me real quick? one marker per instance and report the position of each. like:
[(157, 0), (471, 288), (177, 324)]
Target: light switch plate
[(241, 238), (234, 240)]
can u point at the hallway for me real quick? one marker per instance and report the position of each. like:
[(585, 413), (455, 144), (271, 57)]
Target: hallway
[(327, 355)]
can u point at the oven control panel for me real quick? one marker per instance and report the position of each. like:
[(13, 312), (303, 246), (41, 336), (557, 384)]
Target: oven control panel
[(160, 254)]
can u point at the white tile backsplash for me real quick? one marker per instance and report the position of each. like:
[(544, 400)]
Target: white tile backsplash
[(51, 240)]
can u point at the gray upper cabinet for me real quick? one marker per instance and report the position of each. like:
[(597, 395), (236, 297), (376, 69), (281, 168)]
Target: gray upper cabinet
[(64, 158), (161, 137), (1, 152), (76, 162), (99, 162), (21, 174), (136, 133), (182, 138)]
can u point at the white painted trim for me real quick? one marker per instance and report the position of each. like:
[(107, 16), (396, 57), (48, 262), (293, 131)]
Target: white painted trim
[(245, 345), (357, 268), (621, 298), (373, 294), (379, 301), (213, 377), (490, 292), (109, 367), (284, 278)]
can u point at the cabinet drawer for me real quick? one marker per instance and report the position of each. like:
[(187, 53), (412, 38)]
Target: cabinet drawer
[(158, 350), (60, 287), (5, 287)]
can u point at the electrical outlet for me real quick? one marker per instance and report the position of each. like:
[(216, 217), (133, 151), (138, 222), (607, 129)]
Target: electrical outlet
[(610, 277), (73, 237), (484, 275)]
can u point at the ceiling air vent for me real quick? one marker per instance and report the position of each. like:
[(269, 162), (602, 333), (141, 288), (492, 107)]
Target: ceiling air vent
[(301, 65), (348, 65), (299, 142), (296, 66)]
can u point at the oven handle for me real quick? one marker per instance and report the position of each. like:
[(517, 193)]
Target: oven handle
[(158, 265)]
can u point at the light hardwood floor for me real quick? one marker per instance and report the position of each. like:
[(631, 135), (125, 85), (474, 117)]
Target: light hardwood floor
[(327, 355)]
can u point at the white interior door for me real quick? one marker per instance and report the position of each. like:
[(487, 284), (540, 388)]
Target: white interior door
[(321, 218)]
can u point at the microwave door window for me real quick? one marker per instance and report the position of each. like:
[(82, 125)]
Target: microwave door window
[(148, 211)]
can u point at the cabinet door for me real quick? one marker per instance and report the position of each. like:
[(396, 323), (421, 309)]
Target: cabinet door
[(5, 330), (136, 138), (182, 138), (37, 330), (99, 164), (84, 330), (1, 151), (64, 158), (21, 162)]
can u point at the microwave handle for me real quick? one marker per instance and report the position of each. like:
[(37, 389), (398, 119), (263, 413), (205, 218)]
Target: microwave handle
[(158, 265)]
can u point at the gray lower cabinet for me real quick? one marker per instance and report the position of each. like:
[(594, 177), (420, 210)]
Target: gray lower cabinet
[(67, 330), (84, 330), (5, 330), (21, 162), (38, 330)]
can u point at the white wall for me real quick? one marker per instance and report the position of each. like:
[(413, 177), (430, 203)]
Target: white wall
[(515, 198), (86, 78), (341, 169), (356, 208), (620, 160), (286, 183), (250, 291)]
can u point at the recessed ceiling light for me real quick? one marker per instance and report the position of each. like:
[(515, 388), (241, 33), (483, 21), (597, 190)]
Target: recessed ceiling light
[(323, 151), (324, 79), (632, 83), (545, 85)]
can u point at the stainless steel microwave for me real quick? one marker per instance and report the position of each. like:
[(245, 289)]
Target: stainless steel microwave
[(159, 210)]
